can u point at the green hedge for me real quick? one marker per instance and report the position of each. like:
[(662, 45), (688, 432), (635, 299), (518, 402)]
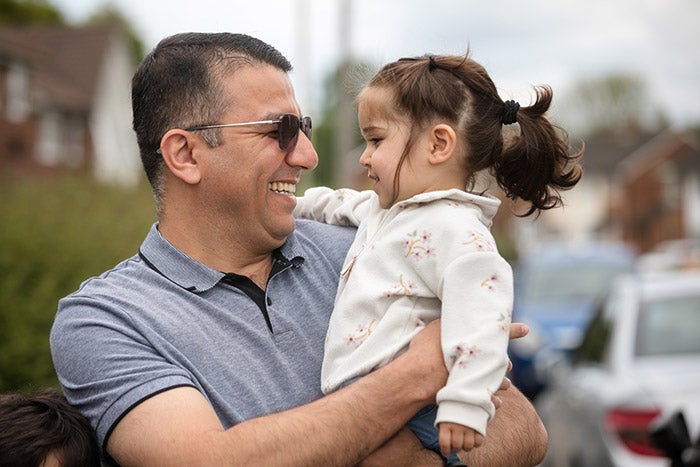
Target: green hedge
[(54, 234)]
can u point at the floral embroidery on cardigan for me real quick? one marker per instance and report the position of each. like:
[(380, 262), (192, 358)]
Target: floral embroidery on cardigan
[(479, 242), (418, 246), (404, 287), (488, 283), (504, 321), (461, 354), (361, 333)]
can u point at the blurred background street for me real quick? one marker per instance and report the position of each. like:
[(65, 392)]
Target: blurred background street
[(609, 285)]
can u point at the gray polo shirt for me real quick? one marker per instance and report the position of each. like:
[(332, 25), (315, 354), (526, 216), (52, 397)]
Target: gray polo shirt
[(160, 320)]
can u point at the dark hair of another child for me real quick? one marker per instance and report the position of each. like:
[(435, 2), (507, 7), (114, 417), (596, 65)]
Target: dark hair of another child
[(32, 427)]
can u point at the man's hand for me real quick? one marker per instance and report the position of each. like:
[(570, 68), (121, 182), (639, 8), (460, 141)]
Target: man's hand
[(518, 330), (425, 355)]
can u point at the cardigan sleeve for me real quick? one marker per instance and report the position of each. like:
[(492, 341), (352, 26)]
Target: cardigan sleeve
[(338, 207), (477, 297), (474, 284)]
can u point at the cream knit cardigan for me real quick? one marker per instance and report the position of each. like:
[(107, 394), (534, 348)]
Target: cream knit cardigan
[(431, 256)]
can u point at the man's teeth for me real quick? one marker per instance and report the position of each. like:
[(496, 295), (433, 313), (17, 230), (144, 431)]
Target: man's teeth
[(284, 188)]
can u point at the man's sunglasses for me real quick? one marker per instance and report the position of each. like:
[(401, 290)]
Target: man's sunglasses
[(288, 126)]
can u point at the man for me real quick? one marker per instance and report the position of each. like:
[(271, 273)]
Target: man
[(206, 347)]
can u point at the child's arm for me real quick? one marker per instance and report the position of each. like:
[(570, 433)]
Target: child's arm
[(338, 207), (474, 285), (454, 437), (476, 310)]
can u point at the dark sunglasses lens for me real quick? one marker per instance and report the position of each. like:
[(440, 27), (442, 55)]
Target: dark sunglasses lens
[(288, 132), (306, 126), (289, 127)]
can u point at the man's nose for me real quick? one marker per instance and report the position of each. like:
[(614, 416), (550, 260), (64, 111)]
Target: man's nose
[(304, 155)]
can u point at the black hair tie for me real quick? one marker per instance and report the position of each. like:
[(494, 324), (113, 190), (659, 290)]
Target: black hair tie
[(432, 64), (510, 112)]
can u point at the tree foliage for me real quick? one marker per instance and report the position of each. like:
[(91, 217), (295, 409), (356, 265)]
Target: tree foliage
[(54, 234), (21, 12), (613, 104), (339, 91), (33, 12), (108, 14)]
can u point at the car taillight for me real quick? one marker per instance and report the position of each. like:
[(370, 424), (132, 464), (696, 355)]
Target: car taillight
[(632, 427)]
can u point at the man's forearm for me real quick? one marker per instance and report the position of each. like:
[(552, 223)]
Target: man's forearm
[(403, 449), (345, 427), (180, 427), (515, 436)]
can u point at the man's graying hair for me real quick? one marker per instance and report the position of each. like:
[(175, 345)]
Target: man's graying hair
[(178, 85)]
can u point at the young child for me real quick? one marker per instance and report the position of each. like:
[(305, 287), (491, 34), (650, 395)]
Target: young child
[(423, 249), (44, 430)]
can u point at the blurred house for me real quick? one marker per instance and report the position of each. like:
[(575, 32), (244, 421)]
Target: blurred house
[(659, 191), (639, 188), (65, 102)]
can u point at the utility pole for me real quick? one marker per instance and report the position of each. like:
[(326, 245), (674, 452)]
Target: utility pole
[(345, 162)]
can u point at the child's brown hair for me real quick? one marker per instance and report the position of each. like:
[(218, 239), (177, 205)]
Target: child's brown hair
[(534, 166)]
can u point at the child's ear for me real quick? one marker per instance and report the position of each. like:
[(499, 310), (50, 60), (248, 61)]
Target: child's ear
[(443, 141), (176, 151)]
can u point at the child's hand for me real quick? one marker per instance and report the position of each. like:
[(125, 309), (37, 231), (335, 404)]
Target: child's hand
[(454, 437)]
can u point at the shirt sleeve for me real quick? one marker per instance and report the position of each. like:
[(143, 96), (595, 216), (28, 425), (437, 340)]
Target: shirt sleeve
[(337, 207), (105, 366)]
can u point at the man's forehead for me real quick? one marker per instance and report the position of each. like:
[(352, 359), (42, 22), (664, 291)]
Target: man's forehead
[(260, 90)]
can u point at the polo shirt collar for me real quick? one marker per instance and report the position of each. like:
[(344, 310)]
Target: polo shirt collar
[(189, 273)]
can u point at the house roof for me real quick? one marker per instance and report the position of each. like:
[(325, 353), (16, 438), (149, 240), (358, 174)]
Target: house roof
[(604, 154), (66, 60), (680, 147)]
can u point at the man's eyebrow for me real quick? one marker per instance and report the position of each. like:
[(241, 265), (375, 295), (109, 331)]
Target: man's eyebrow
[(276, 115), (271, 116)]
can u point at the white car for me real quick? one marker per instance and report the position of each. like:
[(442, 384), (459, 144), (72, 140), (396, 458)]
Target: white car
[(639, 358)]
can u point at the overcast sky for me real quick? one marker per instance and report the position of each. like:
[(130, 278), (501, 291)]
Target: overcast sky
[(520, 42)]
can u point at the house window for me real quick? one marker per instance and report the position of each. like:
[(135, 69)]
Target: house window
[(61, 140), (50, 139), (17, 88), (669, 181)]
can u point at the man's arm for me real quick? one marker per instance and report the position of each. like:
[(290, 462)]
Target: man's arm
[(516, 435), (179, 427)]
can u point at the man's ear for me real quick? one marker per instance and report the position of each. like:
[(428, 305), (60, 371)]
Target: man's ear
[(443, 141), (176, 150)]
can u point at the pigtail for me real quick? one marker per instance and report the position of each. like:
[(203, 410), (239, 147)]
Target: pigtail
[(537, 165)]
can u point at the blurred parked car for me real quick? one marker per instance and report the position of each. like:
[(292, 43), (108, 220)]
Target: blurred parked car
[(639, 359), (676, 254), (556, 287)]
